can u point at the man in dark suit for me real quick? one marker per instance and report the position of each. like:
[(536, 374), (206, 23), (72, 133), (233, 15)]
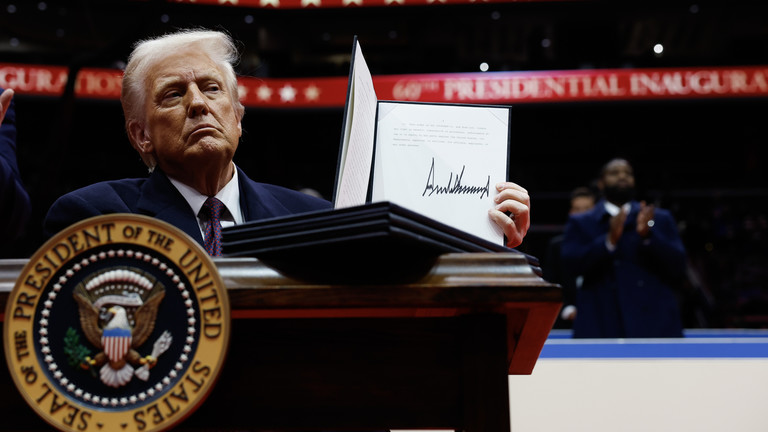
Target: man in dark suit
[(183, 116), (631, 258), (14, 200)]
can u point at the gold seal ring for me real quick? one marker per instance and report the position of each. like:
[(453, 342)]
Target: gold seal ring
[(119, 322)]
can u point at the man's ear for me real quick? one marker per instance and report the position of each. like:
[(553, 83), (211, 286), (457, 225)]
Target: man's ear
[(139, 138), (140, 141), (240, 111)]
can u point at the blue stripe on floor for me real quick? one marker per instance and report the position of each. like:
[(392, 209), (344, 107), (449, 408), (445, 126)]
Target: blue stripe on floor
[(695, 344)]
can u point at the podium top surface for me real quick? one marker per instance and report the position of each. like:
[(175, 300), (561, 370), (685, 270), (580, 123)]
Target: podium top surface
[(456, 284)]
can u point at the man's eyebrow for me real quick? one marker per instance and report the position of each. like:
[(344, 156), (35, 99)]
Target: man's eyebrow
[(201, 76), (210, 76), (163, 83)]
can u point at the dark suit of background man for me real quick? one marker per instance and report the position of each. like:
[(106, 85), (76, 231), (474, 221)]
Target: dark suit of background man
[(183, 116), (631, 258), (14, 200)]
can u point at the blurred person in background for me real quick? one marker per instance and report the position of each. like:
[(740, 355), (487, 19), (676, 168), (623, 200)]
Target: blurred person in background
[(632, 261)]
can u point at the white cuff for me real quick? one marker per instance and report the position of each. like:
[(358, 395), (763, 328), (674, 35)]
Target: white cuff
[(567, 312)]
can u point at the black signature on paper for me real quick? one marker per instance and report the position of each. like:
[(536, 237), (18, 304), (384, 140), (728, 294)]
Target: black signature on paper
[(454, 186)]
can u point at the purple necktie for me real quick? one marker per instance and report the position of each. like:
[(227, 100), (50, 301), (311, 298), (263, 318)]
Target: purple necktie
[(212, 209)]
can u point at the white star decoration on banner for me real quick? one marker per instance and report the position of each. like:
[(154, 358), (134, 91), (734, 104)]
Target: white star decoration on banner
[(221, 2), (287, 93), (312, 93), (349, 2), (389, 2), (242, 92), (275, 3), (305, 3), (264, 93)]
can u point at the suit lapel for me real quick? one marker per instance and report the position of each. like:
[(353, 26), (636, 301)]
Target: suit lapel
[(251, 199), (600, 214), (160, 199)]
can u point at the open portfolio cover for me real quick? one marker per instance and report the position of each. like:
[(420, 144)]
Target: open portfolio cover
[(413, 180), (440, 160)]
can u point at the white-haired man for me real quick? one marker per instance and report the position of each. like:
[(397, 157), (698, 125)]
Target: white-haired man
[(183, 117)]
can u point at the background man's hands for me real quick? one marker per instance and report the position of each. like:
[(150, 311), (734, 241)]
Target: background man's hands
[(645, 219)]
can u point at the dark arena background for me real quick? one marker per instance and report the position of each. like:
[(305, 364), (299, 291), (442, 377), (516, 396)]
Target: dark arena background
[(701, 156)]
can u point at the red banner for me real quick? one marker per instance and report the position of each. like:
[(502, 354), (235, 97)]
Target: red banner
[(488, 87), (304, 4), (578, 85)]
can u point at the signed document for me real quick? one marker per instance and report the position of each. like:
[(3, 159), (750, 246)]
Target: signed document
[(440, 160), (443, 161)]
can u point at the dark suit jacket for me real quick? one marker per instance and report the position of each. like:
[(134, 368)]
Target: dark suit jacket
[(629, 292), (14, 200), (157, 197)]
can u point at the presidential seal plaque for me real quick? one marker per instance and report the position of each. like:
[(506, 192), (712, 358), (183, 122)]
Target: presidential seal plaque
[(118, 323)]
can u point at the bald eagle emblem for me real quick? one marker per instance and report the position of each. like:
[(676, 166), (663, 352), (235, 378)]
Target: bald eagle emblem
[(118, 308)]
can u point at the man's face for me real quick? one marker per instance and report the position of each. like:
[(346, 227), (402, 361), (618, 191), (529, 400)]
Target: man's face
[(618, 181), (619, 174), (191, 121)]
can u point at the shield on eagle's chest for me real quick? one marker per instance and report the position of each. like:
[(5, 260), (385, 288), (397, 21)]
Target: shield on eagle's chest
[(116, 343)]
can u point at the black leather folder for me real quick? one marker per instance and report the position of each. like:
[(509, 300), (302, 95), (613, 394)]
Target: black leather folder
[(372, 241)]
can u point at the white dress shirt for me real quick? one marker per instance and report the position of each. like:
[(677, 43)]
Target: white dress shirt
[(229, 195)]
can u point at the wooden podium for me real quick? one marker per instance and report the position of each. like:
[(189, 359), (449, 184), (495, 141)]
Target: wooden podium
[(431, 352)]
